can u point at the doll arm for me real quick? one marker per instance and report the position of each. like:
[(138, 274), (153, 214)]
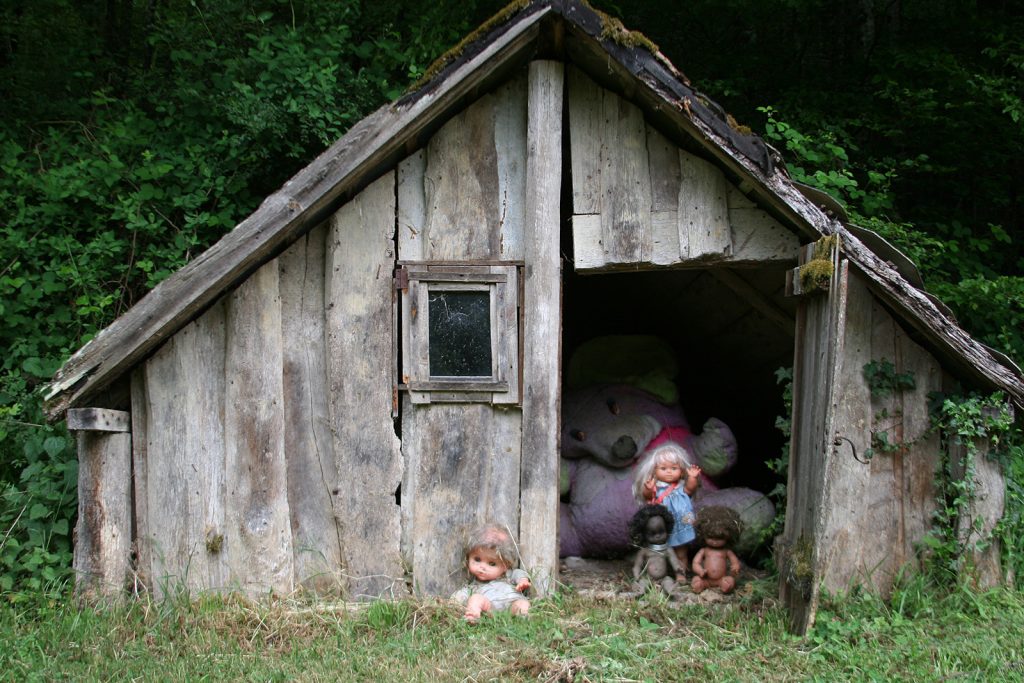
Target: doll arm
[(649, 488), (692, 477), (638, 563), (734, 563), (674, 562), (520, 578), (698, 564)]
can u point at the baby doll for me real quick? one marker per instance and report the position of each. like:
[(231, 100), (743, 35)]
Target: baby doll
[(716, 565), (649, 530), (659, 481), (490, 555)]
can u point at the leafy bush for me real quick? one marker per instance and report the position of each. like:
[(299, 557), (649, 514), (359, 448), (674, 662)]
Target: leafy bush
[(142, 151), (821, 160), (37, 511), (956, 262), (993, 309)]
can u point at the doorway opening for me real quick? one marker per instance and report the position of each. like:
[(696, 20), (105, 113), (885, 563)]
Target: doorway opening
[(730, 332)]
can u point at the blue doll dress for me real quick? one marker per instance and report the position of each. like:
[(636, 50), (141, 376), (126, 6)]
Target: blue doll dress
[(681, 507)]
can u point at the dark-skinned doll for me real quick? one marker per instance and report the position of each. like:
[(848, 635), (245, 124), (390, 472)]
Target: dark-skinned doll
[(655, 564)]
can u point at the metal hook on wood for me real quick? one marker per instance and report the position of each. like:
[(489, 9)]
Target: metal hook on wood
[(839, 442)]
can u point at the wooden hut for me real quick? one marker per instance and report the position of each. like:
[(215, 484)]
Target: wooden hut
[(371, 362)]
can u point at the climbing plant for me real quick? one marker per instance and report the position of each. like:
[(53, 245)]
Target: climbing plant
[(974, 427), (779, 465), (970, 427), (883, 381)]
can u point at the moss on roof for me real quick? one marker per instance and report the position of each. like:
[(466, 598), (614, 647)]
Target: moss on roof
[(611, 29), (737, 126), (614, 30), (439, 64)]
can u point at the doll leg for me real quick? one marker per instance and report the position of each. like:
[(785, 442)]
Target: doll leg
[(640, 586), (726, 584), (475, 606), (698, 584), (520, 607), (683, 555)]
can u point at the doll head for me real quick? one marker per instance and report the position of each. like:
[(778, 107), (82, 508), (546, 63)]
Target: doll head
[(718, 525), (489, 551), (667, 463), (651, 525)]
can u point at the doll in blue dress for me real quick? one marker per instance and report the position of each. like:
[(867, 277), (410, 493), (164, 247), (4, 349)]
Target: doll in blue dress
[(666, 476)]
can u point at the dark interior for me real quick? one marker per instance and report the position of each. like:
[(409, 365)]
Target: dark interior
[(727, 349)]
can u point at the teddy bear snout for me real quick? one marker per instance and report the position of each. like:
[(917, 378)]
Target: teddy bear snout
[(624, 449)]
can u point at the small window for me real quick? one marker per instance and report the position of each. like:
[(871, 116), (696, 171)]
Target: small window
[(460, 333)]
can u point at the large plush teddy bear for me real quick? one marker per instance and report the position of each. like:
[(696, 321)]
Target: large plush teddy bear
[(607, 427)]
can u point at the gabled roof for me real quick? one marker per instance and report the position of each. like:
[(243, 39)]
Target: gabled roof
[(568, 30)]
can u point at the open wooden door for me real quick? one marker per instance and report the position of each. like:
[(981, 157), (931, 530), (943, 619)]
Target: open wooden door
[(862, 462), (817, 376)]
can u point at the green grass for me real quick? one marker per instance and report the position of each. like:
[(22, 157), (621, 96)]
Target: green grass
[(918, 635)]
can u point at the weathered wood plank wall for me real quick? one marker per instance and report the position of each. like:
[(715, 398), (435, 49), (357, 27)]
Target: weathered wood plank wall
[(368, 460), (467, 471), (143, 538), (312, 470), (639, 199), (983, 512), (461, 196), (268, 440), (257, 530), (875, 513), (756, 236), (461, 199), (542, 327), (817, 358), (184, 475), (264, 435), (611, 183)]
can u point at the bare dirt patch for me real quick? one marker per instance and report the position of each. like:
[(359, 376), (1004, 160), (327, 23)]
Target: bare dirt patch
[(608, 579)]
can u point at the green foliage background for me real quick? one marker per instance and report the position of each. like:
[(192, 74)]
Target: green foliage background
[(135, 133)]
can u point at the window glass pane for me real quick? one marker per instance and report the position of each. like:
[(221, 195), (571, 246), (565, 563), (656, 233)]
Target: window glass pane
[(460, 334)]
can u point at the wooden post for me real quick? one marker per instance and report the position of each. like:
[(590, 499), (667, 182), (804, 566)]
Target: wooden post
[(538, 524), (103, 535)]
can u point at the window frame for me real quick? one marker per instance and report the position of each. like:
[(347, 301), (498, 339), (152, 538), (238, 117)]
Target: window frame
[(501, 281)]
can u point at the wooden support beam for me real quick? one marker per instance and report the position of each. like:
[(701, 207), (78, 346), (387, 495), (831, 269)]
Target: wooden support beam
[(103, 535), (98, 420), (755, 298), (538, 524)]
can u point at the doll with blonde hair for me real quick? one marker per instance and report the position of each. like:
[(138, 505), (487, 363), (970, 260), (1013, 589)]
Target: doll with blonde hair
[(494, 583), (667, 477)]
